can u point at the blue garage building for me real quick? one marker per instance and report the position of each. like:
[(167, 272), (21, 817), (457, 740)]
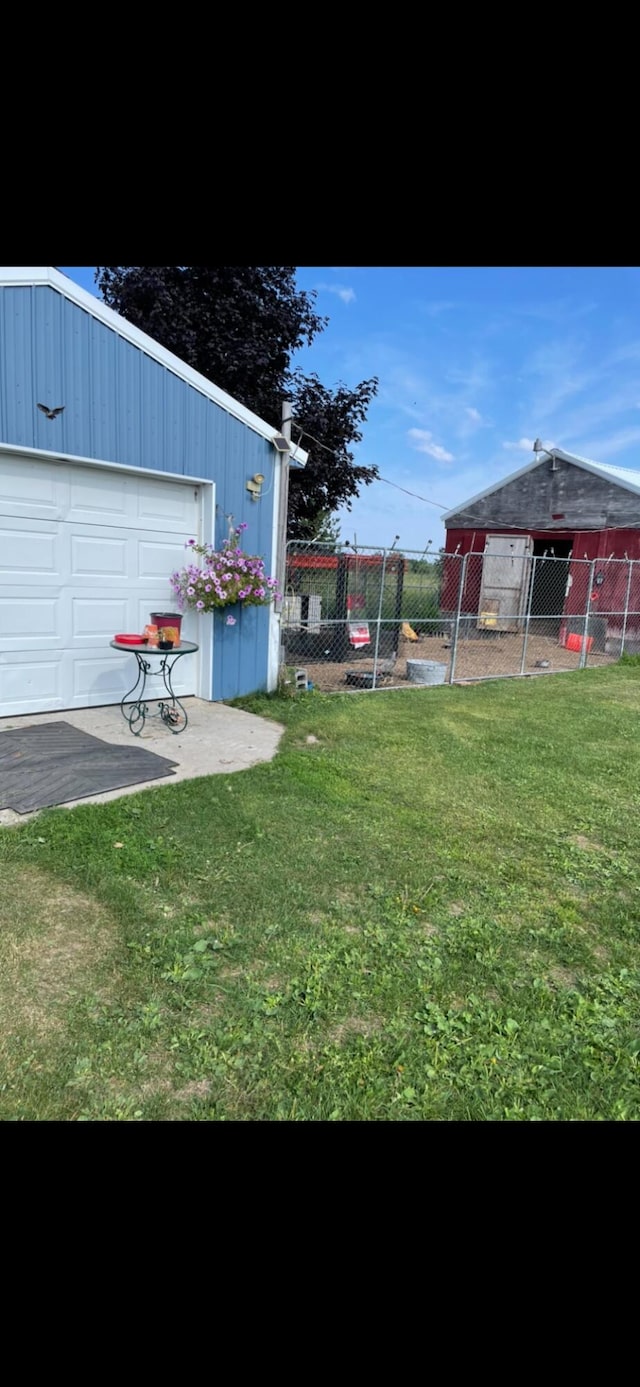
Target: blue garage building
[(97, 503)]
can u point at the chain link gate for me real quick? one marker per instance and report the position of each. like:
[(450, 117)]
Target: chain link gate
[(368, 618)]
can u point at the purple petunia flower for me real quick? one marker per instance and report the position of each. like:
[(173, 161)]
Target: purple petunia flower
[(224, 576)]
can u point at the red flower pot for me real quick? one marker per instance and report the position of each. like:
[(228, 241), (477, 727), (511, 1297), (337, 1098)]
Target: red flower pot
[(170, 622)]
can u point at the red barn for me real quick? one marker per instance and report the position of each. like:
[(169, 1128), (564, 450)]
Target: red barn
[(580, 517)]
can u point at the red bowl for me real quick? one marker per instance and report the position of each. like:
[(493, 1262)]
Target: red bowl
[(128, 640)]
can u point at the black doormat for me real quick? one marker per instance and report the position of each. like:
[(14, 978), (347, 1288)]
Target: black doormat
[(50, 763)]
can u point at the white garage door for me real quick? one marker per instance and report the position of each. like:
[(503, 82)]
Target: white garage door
[(85, 552)]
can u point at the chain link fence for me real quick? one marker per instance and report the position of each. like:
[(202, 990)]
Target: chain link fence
[(370, 618)]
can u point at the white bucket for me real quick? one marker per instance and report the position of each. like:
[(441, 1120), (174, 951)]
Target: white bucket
[(425, 672)]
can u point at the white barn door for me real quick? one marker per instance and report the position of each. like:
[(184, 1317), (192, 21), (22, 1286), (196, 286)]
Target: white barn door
[(506, 572)]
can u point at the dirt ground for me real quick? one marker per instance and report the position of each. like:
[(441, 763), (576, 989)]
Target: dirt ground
[(490, 655)]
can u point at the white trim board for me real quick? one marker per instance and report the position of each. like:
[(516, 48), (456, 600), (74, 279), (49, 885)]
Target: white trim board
[(275, 621), (31, 276), (207, 525), (47, 456)]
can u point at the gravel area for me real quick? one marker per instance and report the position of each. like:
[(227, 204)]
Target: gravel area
[(488, 655)]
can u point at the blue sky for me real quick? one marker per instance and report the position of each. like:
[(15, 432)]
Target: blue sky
[(473, 364)]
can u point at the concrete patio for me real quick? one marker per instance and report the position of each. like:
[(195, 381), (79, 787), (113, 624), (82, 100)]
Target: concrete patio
[(217, 741)]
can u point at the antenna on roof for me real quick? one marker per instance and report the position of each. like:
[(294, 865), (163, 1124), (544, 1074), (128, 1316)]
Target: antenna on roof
[(539, 447)]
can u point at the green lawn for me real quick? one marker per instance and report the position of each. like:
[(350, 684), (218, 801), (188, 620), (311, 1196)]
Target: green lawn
[(431, 911)]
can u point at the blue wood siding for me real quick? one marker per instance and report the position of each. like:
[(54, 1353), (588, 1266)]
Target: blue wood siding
[(122, 406)]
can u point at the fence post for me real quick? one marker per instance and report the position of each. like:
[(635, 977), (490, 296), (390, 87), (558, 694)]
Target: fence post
[(626, 608), (583, 652), (280, 608), (528, 616), (456, 628), (375, 654)]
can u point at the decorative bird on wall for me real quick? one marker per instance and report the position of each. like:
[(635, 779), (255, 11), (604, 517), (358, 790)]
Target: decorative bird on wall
[(51, 413)]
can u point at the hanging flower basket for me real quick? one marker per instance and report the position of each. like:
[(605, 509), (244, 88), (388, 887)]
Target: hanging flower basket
[(225, 577)]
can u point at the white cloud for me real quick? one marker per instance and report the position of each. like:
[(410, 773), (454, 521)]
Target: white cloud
[(601, 409), (423, 443), (474, 379), (524, 445), (556, 311), (427, 393), (439, 306), (343, 292), (468, 422), (601, 449), (380, 511)]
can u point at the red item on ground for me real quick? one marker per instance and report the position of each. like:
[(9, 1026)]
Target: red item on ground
[(359, 635), (576, 642)]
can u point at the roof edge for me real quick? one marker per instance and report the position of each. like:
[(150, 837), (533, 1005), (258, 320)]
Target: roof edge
[(598, 470), (33, 276), (495, 486)]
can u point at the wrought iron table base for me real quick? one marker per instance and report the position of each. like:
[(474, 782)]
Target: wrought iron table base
[(172, 712)]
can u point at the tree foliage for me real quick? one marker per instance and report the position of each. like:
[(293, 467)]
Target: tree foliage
[(326, 529), (240, 326), (332, 420)]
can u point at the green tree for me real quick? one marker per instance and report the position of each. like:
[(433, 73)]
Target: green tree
[(240, 327), (326, 529)]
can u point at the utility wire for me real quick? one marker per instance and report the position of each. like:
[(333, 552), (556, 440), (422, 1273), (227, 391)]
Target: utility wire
[(495, 519), (416, 494), (304, 434)]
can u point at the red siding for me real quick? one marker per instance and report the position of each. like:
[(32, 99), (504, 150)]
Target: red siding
[(601, 545)]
